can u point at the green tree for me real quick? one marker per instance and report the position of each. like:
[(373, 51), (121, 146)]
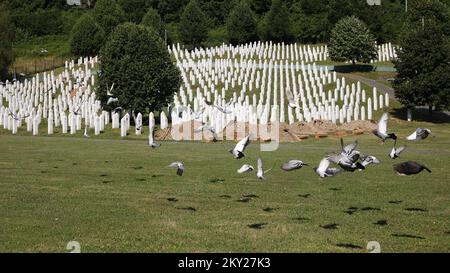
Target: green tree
[(86, 37), (193, 25), (241, 25), (423, 63), (137, 62), (134, 9), (276, 24), (153, 20), (352, 41), (6, 38), (108, 15)]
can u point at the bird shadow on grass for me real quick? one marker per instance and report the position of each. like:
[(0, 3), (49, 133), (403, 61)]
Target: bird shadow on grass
[(216, 180), (347, 245), (381, 223), (396, 202), (370, 209), (225, 196), (107, 181), (304, 195), (138, 168), (157, 175), (244, 200), (422, 115), (141, 179), (268, 209), (416, 209), (351, 210), (188, 208), (335, 189), (408, 236), (301, 219), (172, 199), (250, 196), (257, 225), (330, 226)]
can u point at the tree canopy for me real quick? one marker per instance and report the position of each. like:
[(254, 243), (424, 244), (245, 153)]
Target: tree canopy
[(193, 25), (108, 15), (276, 25), (423, 63), (87, 37), (241, 24), (135, 59), (352, 41), (6, 38)]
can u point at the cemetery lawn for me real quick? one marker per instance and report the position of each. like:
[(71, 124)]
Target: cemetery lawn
[(115, 195)]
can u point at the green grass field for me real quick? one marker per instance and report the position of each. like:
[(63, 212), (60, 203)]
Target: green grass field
[(112, 195)]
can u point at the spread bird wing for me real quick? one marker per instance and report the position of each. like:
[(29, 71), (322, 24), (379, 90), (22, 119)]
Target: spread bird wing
[(242, 144), (382, 124), (323, 165), (259, 164)]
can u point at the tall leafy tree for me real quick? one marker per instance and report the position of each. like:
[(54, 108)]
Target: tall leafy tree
[(193, 25), (153, 20), (352, 41), (423, 63), (241, 24), (86, 37), (276, 25), (6, 42), (134, 9), (108, 15), (135, 59)]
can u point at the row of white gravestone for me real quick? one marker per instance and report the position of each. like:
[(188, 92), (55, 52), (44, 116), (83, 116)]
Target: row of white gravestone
[(184, 98), (270, 51), (259, 50)]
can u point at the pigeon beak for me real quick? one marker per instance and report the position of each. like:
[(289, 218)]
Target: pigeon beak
[(304, 164)]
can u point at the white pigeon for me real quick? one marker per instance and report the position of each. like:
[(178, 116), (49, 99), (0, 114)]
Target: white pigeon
[(179, 166), (245, 169), (419, 134), (151, 138), (209, 128), (260, 172), (324, 169), (370, 159), (85, 133), (395, 152), (381, 130), (293, 165), (238, 151), (222, 109), (290, 98), (111, 100), (108, 92)]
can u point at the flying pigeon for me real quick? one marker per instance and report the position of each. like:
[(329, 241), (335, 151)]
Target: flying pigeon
[(85, 132), (151, 138), (410, 168), (370, 159), (260, 173), (111, 100), (290, 98), (245, 169), (179, 166), (395, 152), (381, 131), (324, 169), (348, 158), (293, 165), (419, 134), (207, 128), (108, 92), (238, 151)]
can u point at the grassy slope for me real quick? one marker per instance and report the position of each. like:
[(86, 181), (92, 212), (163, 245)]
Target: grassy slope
[(111, 195)]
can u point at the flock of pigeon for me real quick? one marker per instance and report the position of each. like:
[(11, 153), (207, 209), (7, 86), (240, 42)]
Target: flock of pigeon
[(349, 159)]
